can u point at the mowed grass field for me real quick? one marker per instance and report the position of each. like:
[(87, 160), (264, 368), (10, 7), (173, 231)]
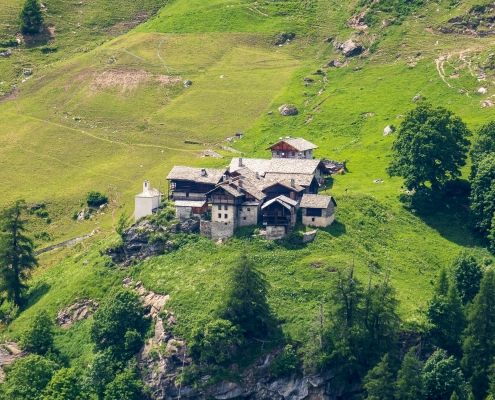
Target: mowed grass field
[(108, 118)]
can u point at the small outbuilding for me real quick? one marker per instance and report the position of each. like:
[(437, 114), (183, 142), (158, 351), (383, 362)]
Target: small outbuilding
[(184, 209), (317, 210), (148, 202)]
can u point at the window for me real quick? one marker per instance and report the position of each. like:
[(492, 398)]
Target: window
[(312, 220), (219, 215), (219, 207), (187, 194), (313, 212), (225, 207), (244, 218), (226, 216)]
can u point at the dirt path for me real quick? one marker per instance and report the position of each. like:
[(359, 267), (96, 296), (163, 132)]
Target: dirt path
[(67, 243)]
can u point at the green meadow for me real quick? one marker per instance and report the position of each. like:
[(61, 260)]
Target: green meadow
[(107, 110)]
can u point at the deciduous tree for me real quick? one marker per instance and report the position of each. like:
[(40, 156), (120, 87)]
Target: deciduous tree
[(466, 274), (483, 145), (430, 148), (482, 196), (64, 385), (38, 338), (16, 251), (125, 386)]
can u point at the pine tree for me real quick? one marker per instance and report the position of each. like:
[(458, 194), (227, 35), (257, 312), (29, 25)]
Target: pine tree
[(38, 338), (245, 302), (479, 345), (16, 251), (454, 396), (409, 382), (31, 17), (379, 382), (446, 315)]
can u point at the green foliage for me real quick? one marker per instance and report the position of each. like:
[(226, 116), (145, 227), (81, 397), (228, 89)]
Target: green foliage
[(133, 341), (483, 146), (125, 386), (31, 17), (96, 199), (28, 377), (215, 342), (430, 147), (285, 363), (121, 312), (101, 372), (245, 303), (479, 346), (446, 317), (64, 385), (482, 197), (38, 338), (442, 376), (122, 223), (466, 274), (379, 382), (409, 381), (454, 396), (16, 251)]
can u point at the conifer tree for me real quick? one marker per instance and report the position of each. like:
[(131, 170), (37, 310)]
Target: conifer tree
[(16, 251), (379, 382), (31, 17), (454, 396), (409, 382), (446, 315), (245, 302), (479, 345)]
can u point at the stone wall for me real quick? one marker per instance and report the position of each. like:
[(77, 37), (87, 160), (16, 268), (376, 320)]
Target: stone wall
[(275, 232), (248, 215), (318, 221), (308, 236), (205, 228), (222, 230), (183, 212)]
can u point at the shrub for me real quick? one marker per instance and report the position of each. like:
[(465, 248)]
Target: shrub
[(39, 336), (96, 199), (285, 362)]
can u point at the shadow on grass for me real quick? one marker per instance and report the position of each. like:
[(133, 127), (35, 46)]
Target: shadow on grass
[(35, 293), (337, 229)]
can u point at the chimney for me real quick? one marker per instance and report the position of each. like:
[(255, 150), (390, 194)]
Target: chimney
[(203, 172), (293, 182), (146, 186), (240, 182), (257, 175), (240, 161)]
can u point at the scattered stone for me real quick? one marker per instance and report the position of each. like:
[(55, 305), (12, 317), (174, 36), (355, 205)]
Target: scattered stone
[(357, 68), (85, 262), (211, 153), (318, 72), (490, 56), (335, 63), (417, 97), (350, 49), (487, 104), (418, 54), (378, 181), (270, 112), (187, 83), (308, 79), (6, 53), (460, 91), (388, 130), (67, 316), (231, 150), (9, 352), (229, 139), (454, 75), (28, 72), (368, 114), (329, 40), (482, 90), (412, 64), (287, 110), (223, 76)]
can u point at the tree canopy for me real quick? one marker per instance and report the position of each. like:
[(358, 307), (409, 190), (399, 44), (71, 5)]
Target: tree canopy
[(483, 145), (16, 251), (431, 147), (409, 381), (31, 17), (38, 338), (482, 197), (466, 274)]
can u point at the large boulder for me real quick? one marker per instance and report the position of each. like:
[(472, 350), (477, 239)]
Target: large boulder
[(349, 48), (287, 109)]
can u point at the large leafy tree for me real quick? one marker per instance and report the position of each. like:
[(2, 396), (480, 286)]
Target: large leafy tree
[(446, 316), (466, 274), (409, 381), (28, 377), (16, 251), (125, 386), (431, 147), (479, 345), (442, 376), (38, 338), (120, 314), (483, 146), (31, 17), (245, 302), (64, 385), (483, 195)]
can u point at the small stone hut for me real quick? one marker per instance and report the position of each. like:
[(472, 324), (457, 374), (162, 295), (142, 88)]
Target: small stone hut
[(317, 210)]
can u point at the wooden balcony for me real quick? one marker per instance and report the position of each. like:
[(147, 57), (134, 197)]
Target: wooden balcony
[(276, 220)]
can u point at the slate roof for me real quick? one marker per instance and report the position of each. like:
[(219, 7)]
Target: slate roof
[(284, 200), (181, 173), (189, 203), (301, 180), (299, 144), (276, 165), (316, 201)]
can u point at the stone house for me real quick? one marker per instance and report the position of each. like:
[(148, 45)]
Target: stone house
[(317, 210), (298, 148), (147, 202), (191, 184), (279, 215)]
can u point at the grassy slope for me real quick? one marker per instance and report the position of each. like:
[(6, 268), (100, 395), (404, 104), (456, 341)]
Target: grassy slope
[(127, 135)]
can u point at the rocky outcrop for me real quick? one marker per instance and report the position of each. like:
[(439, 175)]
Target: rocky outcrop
[(67, 316), (350, 49), (9, 352), (287, 110)]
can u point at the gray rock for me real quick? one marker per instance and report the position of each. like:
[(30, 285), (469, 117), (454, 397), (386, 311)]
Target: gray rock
[(187, 82), (287, 110), (308, 79), (335, 63), (349, 48), (6, 53), (387, 131), (417, 97), (329, 39), (28, 72), (270, 112)]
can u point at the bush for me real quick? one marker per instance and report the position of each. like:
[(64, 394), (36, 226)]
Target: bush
[(64, 385), (125, 386), (38, 338), (96, 199), (285, 362)]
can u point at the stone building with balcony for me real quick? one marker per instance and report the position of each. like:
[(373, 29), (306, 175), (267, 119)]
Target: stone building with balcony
[(297, 148)]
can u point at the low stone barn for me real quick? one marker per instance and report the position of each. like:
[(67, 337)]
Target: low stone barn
[(186, 208), (317, 210)]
